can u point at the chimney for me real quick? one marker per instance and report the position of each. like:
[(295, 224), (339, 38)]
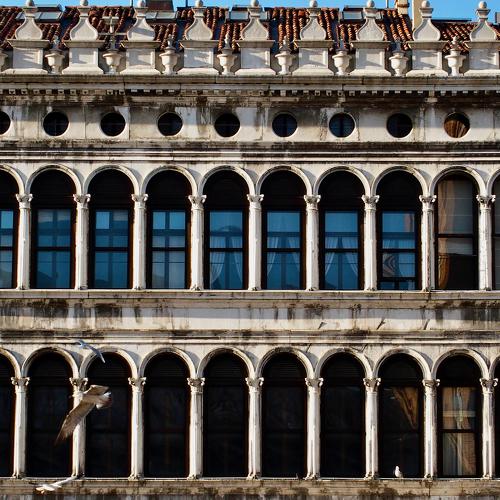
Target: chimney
[(402, 6)]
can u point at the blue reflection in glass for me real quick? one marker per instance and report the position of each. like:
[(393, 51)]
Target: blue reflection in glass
[(283, 254), (226, 250), (6, 248), (168, 255), (53, 248)]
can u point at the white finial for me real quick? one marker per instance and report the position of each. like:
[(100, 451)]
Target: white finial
[(482, 5), (426, 4), (29, 3), (254, 3), (84, 3), (198, 4), (313, 4), (227, 40), (370, 4), (141, 4)]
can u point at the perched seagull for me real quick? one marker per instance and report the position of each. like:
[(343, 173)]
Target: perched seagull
[(49, 488), (84, 345), (96, 396), (398, 473)]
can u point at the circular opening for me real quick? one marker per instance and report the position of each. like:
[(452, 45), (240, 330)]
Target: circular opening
[(284, 125), (456, 125), (399, 125), (227, 125), (55, 123), (342, 125), (113, 124), (169, 124), (4, 122)]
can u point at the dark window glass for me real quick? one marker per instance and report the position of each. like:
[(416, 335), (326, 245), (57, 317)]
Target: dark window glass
[(108, 430), (342, 418), (457, 266), (7, 396), (497, 422), (400, 416), (284, 125), (169, 124), (4, 122), (284, 418), (496, 241), (166, 415), (7, 239), (55, 123), (399, 125), (342, 125), (227, 125), (113, 124), (459, 418), (456, 125), (225, 417), (48, 403)]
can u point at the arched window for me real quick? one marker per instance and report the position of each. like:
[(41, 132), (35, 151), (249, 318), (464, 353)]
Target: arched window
[(342, 418), (284, 417), (401, 417), (459, 418), (9, 214), (110, 235), (496, 400), (398, 241), (283, 231), (225, 418), (226, 216), (53, 216), (7, 398), (168, 235), (166, 417), (341, 222), (49, 401), (456, 233), (108, 430), (496, 239)]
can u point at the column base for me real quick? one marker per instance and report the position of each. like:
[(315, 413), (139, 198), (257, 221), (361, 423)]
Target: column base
[(253, 475), (370, 476), (195, 288), (134, 477), (487, 476), (193, 477), (138, 288), (312, 476)]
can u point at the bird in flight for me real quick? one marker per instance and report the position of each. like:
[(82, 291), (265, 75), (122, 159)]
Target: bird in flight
[(398, 473), (49, 488), (84, 345), (96, 396)]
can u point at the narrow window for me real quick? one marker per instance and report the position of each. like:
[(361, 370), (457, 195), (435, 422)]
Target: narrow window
[(284, 417), (457, 260), (497, 422), (459, 418), (8, 229), (166, 417), (342, 418), (341, 216), (283, 220), (225, 417), (401, 417), (7, 401), (496, 238)]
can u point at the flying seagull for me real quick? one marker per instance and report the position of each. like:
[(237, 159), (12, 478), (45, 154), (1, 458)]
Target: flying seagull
[(97, 352), (49, 488), (96, 396), (398, 473)]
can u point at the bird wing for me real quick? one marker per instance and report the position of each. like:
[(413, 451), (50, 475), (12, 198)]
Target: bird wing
[(96, 390), (58, 484), (73, 418)]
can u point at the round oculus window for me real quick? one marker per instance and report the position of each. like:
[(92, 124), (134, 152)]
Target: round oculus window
[(284, 125), (456, 125), (113, 124), (55, 123), (342, 125), (399, 125), (4, 122), (227, 125), (169, 124)]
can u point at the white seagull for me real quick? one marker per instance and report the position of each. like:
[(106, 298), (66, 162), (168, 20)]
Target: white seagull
[(398, 473), (96, 396), (49, 488), (84, 345)]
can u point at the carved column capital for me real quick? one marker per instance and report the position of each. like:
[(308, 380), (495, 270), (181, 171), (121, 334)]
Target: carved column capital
[(20, 383), (82, 200), (485, 202), (137, 384), (430, 385), (312, 201), (255, 200), (197, 201), (196, 384), (314, 384), (140, 200), (427, 202), (370, 201), (24, 200), (79, 384), (254, 384), (371, 384), (488, 385)]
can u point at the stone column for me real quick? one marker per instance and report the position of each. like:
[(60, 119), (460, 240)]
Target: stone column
[(485, 255), (427, 242), (370, 241), (313, 426), (430, 425), (488, 445), (312, 242), (24, 241), (197, 241), (137, 448), (139, 243), (254, 426), (81, 240), (255, 242), (196, 427), (79, 386), (371, 424), (20, 417)]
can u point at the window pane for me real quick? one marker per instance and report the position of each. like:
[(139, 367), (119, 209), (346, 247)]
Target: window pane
[(226, 270), (398, 265), (54, 228), (226, 229), (283, 230), (398, 230), (283, 271), (341, 230), (457, 264), (6, 266), (6, 228), (111, 270), (111, 228), (169, 229), (459, 408), (455, 198), (400, 449), (459, 454), (168, 269), (341, 271), (53, 269), (497, 262)]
